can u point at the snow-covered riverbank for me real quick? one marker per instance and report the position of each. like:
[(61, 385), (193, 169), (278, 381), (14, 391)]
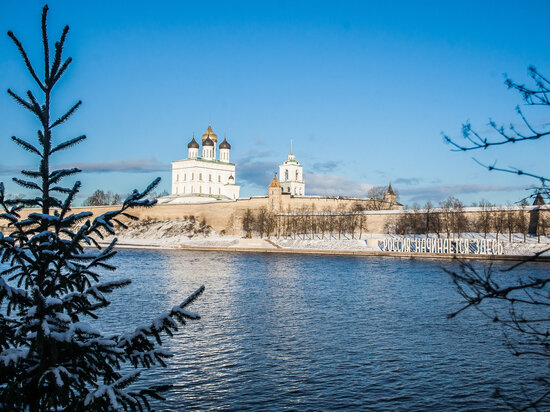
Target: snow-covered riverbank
[(191, 233), (171, 234)]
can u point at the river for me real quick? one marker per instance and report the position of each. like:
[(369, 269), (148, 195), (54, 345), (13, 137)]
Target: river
[(316, 333)]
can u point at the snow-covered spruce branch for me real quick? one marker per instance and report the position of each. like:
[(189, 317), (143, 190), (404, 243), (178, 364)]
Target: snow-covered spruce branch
[(114, 397), (138, 345), (50, 358)]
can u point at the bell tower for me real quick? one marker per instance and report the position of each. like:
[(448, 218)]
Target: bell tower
[(291, 176)]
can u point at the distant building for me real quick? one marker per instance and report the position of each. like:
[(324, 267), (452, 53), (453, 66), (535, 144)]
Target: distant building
[(539, 200), (291, 176), (206, 177), (390, 197)]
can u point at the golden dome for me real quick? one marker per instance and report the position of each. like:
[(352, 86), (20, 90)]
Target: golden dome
[(210, 134)]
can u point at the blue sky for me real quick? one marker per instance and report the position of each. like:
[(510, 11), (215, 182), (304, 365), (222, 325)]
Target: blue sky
[(365, 89)]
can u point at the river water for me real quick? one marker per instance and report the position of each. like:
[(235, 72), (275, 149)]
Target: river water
[(316, 333)]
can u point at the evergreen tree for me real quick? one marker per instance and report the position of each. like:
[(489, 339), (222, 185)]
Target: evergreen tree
[(50, 358)]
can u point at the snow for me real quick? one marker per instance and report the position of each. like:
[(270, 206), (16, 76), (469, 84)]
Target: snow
[(56, 372), (515, 247), (63, 317), (12, 291), (183, 233), (99, 393), (170, 234), (49, 301), (12, 355), (184, 312), (46, 328)]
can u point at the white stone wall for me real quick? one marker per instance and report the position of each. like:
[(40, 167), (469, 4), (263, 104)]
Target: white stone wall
[(193, 153), (204, 178), (208, 152), (224, 155)]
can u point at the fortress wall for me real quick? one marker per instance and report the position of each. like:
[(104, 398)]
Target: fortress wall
[(537, 218), (227, 216), (329, 203)]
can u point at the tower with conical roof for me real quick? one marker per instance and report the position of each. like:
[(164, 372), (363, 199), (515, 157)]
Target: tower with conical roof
[(390, 195), (539, 200), (291, 175), (274, 194)]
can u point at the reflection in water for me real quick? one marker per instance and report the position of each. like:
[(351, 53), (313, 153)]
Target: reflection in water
[(314, 332)]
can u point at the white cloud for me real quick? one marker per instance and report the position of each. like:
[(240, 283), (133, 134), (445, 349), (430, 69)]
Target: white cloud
[(123, 165), (325, 184), (441, 192)]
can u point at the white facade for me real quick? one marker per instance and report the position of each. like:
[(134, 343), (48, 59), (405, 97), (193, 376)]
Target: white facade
[(291, 177), (200, 177)]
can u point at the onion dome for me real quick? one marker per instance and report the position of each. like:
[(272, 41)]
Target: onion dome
[(193, 144), (209, 134), (208, 142), (225, 144)]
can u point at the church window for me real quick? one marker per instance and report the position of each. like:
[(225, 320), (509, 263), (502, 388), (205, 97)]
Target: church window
[(219, 178), (184, 177), (286, 174), (192, 176), (209, 178), (200, 176), (200, 189), (177, 177), (296, 175)]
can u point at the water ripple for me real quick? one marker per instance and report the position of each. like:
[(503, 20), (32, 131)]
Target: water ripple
[(315, 333)]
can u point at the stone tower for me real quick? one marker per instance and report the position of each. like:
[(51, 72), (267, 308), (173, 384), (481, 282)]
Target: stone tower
[(274, 195), (390, 195)]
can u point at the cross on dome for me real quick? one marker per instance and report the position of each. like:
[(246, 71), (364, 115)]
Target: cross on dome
[(210, 134)]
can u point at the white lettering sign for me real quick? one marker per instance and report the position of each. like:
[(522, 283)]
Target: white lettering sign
[(443, 246)]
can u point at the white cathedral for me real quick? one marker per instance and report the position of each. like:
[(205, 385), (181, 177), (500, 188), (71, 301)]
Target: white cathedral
[(207, 178)]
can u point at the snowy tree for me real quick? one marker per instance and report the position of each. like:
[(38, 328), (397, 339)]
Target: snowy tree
[(101, 198), (50, 358)]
